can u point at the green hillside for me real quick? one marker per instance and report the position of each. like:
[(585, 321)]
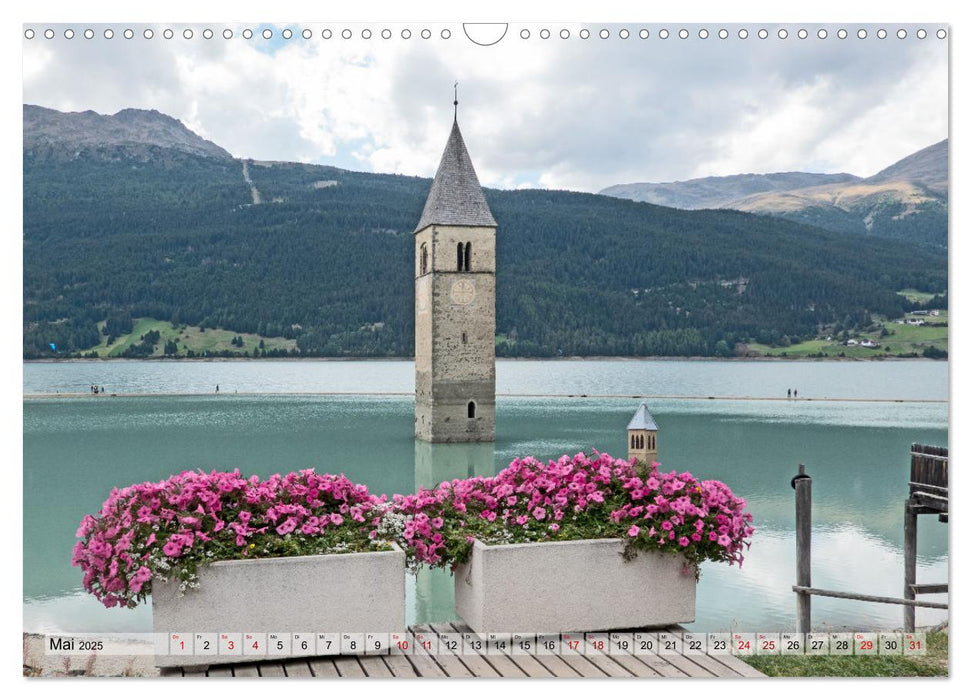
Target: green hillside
[(150, 337), (326, 262)]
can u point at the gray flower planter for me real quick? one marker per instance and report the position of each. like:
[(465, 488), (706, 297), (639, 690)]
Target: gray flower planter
[(331, 593), (577, 586)]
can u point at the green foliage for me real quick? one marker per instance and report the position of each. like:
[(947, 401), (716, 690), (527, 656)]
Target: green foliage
[(118, 323), (926, 224), (145, 348), (578, 274)]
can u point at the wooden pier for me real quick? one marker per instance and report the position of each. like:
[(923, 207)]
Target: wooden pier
[(482, 665)]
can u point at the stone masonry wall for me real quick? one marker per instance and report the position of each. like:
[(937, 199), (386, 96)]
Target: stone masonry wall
[(451, 371)]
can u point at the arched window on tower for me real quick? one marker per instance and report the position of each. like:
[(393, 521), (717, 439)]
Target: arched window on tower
[(460, 257), (632, 441), (471, 409), (423, 263), (468, 256)]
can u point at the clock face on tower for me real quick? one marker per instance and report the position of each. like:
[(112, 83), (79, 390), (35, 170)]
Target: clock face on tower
[(463, 292)]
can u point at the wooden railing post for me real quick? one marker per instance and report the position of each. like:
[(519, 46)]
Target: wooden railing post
[(803, 485), (910, 563)]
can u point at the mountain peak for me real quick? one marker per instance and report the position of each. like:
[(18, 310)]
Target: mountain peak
[(131, 133), (928, 166), (905, 200)]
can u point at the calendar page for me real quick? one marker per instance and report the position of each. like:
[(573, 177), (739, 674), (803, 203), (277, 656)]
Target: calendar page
[(408, 347)]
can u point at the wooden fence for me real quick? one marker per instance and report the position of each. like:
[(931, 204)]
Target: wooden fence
[(928, 494)]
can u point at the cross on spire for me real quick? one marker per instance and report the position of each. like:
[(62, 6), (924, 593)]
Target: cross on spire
[(456, 102)]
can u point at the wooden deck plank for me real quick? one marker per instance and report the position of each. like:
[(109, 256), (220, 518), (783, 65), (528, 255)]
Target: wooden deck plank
[(502, 664), (375, 667), (449, 664), (477, 665), (637, 668), (526, 664), (458, 665), (582, 666), (272, 669), (711, 664), (531, 666), (739, 666), (661, 666), (349, 666), (731, 662), (323, 667), (606, 664), (400, 666), (687, 666), (557, 666), (424, 664), (246, 671), (297, 669)]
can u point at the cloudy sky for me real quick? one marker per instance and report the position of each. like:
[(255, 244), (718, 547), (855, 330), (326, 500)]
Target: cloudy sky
[(559, 112)]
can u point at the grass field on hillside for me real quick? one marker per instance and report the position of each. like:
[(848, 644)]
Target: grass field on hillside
[(902, 340), (207, 342), (916, 296)]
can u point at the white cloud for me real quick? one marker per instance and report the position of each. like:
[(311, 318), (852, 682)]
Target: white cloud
[(577, 114)]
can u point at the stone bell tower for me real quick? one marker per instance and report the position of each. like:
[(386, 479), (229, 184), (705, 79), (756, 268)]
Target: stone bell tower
[(455, 305), (642, 437)]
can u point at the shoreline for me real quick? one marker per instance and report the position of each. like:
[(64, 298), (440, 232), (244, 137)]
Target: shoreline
[(572, 358), (662, 397)]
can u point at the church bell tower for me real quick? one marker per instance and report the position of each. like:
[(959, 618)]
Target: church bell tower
[(642, 438), (455, 305)]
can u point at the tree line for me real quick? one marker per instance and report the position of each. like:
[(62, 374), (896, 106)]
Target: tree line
[(176, 239)]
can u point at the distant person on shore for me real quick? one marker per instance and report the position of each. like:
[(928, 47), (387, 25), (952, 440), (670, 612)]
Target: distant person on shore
[(217, 388), (789, 393), (795, 393), (102, 390)]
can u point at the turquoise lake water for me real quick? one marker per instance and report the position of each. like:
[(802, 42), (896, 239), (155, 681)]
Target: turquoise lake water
[(77, 449)]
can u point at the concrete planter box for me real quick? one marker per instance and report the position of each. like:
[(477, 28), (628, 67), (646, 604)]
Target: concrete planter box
[(577, 586), (330, 593)]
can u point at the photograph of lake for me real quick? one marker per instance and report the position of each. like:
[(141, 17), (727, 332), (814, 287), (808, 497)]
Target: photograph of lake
[(852, 427), (530, 349)]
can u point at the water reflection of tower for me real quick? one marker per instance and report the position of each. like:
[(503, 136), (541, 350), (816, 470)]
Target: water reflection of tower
[(435, 463), (434, 597)]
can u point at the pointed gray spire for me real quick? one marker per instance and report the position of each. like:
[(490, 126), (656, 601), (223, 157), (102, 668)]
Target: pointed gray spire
[(642, 420), (456, 198)]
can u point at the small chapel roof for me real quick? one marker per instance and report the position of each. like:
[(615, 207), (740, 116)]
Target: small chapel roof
[(456, 198), (642, 420)]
